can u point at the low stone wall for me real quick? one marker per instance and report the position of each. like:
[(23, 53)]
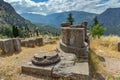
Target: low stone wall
[(10, 45), (32, 42)]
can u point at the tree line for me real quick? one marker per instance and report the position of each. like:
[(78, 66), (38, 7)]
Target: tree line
[(96, 30)]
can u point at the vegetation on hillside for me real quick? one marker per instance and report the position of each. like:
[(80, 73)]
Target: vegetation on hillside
[(9, 17), (96, 29), (49, 30)]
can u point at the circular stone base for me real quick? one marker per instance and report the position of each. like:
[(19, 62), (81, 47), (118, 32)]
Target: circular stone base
[(45, 60)]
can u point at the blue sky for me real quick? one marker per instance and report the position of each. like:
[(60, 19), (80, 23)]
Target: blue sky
[(46, 7)]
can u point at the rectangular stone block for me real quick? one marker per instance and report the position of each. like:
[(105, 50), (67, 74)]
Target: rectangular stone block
[(73, 36), (46, 71)]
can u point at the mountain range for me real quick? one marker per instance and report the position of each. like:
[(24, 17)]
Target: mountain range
[(109, 19), (57, 18)]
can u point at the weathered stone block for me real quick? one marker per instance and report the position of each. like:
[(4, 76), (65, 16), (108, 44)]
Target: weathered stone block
[(73, 36), (24, 43), (7, 46), (10, 45), (66, 24), (31, 43), (39, 41), (118, 46), (17, 44)]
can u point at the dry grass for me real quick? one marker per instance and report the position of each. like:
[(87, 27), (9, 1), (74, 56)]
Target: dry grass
[(10, 65), (96, 67), (106, 46)]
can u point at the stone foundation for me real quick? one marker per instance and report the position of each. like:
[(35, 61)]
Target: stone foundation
[(67, 68)]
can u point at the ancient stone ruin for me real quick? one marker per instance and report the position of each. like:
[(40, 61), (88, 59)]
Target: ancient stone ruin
[(45, 60), (69, 61), (32, 42), (10, 45), (73, 40)]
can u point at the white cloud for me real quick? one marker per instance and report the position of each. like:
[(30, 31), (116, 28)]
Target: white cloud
[(54, 6)]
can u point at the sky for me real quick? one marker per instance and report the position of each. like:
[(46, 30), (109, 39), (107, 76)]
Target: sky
[(45, 7)]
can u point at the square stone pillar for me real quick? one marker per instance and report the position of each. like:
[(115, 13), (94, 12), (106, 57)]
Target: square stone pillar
[(73, 36)]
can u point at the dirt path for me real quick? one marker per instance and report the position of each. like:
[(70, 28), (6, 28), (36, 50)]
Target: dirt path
[(112, 66)]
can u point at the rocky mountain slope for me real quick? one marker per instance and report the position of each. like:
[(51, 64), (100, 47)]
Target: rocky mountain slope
[(9, 17), (111, 20)]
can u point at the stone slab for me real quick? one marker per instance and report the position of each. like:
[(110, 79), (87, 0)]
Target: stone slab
[(30, 68), (66, 69)]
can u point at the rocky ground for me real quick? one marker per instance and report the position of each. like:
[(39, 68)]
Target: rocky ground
[(10, 68), (10, 65), (111, 65)]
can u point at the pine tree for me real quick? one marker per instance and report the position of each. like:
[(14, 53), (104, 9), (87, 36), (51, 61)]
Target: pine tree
[(70, 18), (95, 21), (15, 31)]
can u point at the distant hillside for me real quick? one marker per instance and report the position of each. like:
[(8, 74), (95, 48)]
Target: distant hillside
[(111, 20), (8, 16), (47, 29), (57, 18)]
